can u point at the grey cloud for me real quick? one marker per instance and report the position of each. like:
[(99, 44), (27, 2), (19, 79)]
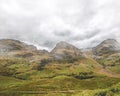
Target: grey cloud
[(87, 35), (83, 23), (62, 33)]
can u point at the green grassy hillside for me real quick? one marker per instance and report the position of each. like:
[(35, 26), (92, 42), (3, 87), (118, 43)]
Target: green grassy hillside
[(39, 73), (21, 77)]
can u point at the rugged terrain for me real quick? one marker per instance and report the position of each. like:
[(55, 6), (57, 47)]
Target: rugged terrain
[(65, 71)]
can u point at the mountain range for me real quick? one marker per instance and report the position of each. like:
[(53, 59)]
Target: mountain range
[(62, 49), (65, 67)]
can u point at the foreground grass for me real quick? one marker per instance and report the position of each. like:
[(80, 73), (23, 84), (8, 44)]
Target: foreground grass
[(112, 91), (77, 79), (60, 86)]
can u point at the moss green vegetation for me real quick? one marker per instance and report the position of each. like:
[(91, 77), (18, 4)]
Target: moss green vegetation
[(111, 63), (21, 77)]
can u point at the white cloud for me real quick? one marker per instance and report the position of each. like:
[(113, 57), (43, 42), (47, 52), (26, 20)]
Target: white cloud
[(83, 23)]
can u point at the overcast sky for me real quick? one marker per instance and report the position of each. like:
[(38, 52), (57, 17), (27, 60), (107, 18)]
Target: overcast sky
[(83, 23)]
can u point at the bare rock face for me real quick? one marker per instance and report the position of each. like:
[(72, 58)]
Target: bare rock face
[(108, 47), (65, 50)]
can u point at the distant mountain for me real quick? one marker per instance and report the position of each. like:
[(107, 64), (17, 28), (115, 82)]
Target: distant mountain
[(8, 45), (107, 54), (24, 67), (15, 48), (64, 50), (107, 47)]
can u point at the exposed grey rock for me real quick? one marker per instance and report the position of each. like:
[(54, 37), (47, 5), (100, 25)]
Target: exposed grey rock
[(65, 50), (108, 46)]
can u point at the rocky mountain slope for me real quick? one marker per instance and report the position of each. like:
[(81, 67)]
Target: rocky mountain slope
[(66, 70), (7, 45), (107, 47), (64, 50), (107, 54), (18, 49)]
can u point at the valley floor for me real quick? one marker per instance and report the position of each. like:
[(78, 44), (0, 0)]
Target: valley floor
[(60, 86)]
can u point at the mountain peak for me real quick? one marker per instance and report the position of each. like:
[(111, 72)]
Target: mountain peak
[(109, 41), (64, 49), (64, 44), (8, 45), (107, 47)]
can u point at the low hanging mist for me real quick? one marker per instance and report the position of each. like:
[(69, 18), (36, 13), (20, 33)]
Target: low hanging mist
[(83, 23)]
